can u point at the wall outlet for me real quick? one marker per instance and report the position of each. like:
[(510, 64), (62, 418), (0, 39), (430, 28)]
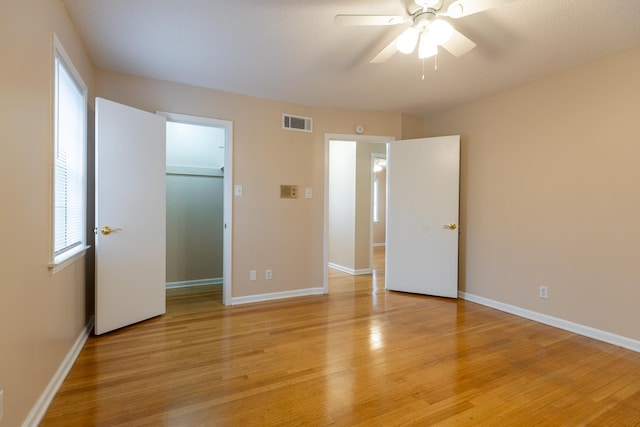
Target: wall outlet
[(268, 274), (543, 292), (252, 275), (1, 404)]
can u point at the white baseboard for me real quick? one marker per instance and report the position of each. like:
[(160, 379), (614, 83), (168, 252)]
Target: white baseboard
[(349, 270), (277, 295), (37, 412), (577, 328), (198, 282)]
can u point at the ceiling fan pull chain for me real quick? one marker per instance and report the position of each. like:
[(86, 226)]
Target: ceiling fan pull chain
[(423, 69), (435, 62)]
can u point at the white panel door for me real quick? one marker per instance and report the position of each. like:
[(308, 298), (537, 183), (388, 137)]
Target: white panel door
[(131, 200), (422, 216)]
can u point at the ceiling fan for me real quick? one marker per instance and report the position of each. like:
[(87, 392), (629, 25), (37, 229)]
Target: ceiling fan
[(428, 29)]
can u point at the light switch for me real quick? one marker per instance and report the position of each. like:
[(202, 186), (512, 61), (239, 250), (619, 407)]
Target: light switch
[(308, 193), (237, 190)]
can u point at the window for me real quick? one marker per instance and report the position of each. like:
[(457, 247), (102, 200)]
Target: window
[(69, 159)]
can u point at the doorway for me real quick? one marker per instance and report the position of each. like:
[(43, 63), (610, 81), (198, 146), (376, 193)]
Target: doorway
[(348, 201), (199, 164)]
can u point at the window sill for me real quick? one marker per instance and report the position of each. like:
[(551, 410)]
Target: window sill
[(67, 259)]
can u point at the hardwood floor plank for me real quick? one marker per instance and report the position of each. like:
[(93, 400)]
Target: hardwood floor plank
[(357, 356)]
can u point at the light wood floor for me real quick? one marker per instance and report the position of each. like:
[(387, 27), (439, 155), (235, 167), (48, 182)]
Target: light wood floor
[(358, 356)]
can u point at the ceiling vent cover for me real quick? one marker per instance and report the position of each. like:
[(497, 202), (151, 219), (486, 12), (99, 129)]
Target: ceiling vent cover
[(291, 122)]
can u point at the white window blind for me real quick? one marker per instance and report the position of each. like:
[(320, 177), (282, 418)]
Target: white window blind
[(69, 161)]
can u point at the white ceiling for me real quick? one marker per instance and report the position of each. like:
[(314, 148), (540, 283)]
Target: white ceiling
[(290, 50)]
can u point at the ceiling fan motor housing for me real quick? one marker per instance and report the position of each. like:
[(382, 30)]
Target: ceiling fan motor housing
[(422, 19), (429, 4)]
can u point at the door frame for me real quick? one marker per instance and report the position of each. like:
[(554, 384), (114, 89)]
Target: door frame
[(328, 137), (227, 257)]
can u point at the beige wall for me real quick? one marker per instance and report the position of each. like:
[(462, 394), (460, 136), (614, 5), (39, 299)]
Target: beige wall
[(550, 175), (412, 127), (268, 232), (40, 315), (342, 204)]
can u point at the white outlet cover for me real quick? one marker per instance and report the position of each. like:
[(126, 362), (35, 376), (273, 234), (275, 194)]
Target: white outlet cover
[(252, 275), (237, 190), (308, 193), (543, 292)]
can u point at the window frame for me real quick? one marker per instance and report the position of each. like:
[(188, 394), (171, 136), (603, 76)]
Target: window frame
[(61, 260)]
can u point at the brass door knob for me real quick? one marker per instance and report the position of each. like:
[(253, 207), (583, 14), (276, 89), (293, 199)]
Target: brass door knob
[(452, 226), (106, 230)]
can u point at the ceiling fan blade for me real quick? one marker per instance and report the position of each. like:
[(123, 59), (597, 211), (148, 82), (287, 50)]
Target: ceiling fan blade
[(369, 20), (386, 53), (462, 8), (458, 44)]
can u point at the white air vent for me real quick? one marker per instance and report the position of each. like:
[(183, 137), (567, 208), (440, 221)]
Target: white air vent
[(303, 124)]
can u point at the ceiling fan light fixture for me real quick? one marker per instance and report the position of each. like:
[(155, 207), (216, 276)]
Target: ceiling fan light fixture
[(440, 31), (455, 10), (406, 42), (427, 48)]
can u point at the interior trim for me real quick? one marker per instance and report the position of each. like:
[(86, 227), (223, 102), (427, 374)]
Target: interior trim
[(40, 408), (278, 295), (567, 325)]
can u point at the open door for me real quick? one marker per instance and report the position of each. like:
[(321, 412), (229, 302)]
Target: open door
[(423, 179), (130, 215)]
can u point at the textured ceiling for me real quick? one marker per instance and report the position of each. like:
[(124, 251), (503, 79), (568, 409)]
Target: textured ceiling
[(290, 50)]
